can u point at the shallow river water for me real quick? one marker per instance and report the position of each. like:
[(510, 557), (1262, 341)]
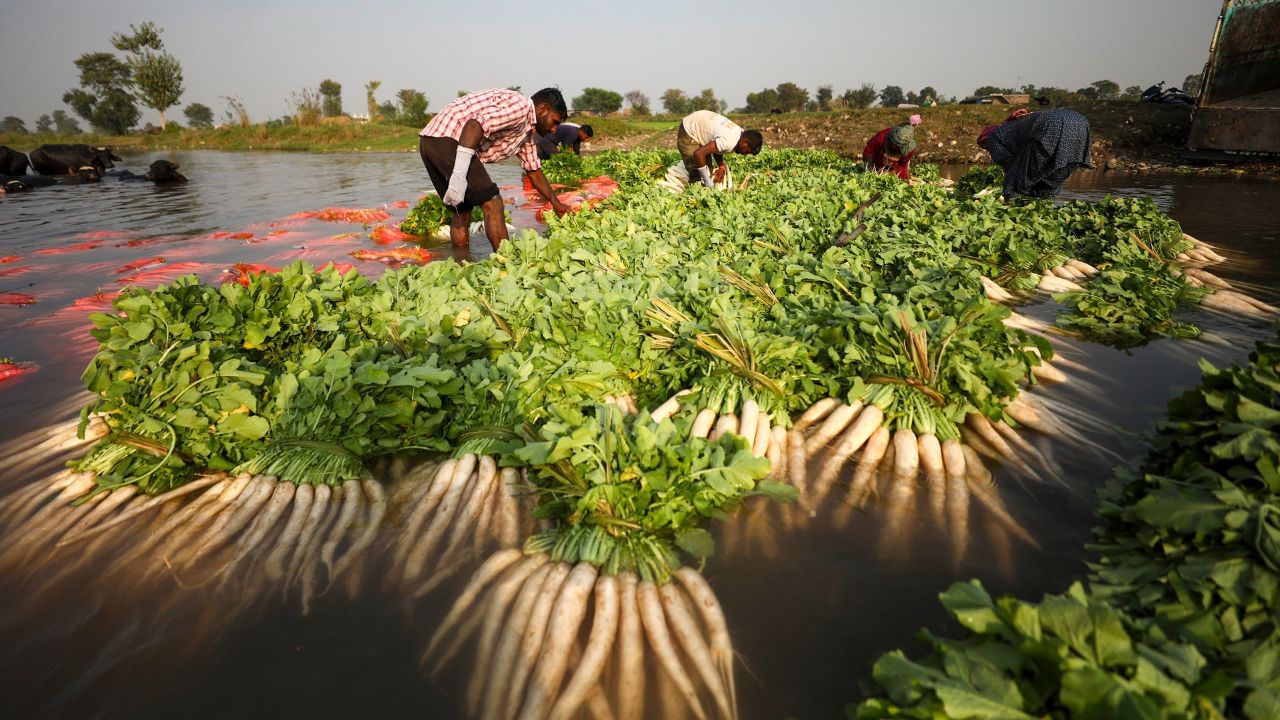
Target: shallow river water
[(808, 618)]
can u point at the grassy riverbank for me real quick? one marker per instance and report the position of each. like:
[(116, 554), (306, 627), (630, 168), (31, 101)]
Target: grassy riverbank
[(1126, 134)]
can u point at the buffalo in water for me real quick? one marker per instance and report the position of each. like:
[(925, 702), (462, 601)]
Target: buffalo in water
[(12, 162), (161, 172), (70, 159)]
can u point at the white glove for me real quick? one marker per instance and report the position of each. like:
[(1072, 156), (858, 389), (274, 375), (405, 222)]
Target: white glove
[(458, 180), (705, 173)]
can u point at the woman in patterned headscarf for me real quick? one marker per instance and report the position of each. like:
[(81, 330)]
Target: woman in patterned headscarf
[(891, 150), (1038, 151)]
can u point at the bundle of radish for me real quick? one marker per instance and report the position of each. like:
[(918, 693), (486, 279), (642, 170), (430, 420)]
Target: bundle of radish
[(622, 494)]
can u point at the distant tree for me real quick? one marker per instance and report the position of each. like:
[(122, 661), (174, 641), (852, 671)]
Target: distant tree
[(13, 124), (765, 101), (864, 97), (1090, 93), (371, 103), (792, 97), (387, 110), (1055, 95), (892, 96), (823, 97), (44, 124), (198, 115), (306, 105), (927, 93), (64, 124), (236, 112), (157, 75), (412, 109), (597, 100), (331, 91), (913, 97), (991, 90), (838, 104), (103, 98), (1132, 93), (675, 101), (707, 100), (462, 93), (638, 101), (1191, 84), (1107, 89)]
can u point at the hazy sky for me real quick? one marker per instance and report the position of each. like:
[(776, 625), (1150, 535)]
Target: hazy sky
[(262, 50)]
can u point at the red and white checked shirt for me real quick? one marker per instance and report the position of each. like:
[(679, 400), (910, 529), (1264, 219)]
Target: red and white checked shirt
[(506, 117)]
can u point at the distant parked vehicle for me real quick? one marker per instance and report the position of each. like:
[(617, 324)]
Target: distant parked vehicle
[(1167, 96)]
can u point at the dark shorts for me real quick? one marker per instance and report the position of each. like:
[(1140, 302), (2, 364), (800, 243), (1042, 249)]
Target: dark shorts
[(438, 155)]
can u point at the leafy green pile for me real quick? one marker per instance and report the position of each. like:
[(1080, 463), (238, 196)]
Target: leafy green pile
[(980, 178), (812, 280), (625, 491), (429, 214), (1181, 617)]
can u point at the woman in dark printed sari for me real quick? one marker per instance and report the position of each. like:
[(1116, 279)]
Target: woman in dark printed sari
[(1038, 151)]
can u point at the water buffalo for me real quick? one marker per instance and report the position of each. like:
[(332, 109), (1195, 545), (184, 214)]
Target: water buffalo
[(20, 183), (160, 173), (12, 162), (163, 171), (68, 159)]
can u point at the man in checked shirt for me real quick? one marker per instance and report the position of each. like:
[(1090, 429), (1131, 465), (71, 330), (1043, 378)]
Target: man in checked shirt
[(486, 127)]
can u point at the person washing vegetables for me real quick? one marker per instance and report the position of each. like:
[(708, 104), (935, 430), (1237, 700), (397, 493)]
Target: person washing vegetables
[(1038, 151), (891, 149), (485, 127), (704, 136), (568, 137)]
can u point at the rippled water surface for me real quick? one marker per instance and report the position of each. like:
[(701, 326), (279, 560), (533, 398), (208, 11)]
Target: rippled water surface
[(808, 616)]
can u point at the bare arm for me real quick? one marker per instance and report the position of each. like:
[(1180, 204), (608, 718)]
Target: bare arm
[(701, 154), (539, 182), (471, 135)]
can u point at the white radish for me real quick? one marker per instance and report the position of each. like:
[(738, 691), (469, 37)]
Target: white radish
[(508, 531), (273, 568), (668, 408), (689, 638), (1048, 373), (504, 591), (727, 424), (655, 629), (747, 420), (352, 501), (957, 499), (993, 291), (835, 423), (487, 573), (495, 676), (321, 499), (1083, 267), (570, 609), (708, 606), (777, 453), (702, 423), (630, 657), (763, 435), (860, 430), (600, 642), (463, 479), (406, 539), (376, 501), (872, 453), (815, 413), (935, 475), (140, 508), (532, 638), (281, 498)]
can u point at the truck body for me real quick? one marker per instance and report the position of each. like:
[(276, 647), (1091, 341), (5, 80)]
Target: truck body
[(1238, 111)]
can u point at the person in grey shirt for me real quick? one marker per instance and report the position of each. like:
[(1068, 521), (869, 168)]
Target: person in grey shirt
[(567, 136)]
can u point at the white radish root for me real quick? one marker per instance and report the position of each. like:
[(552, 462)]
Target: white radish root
[(835, 423), (816, 412)]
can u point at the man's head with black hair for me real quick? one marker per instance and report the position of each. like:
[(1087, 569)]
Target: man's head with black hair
[(548, 105), (585, 132), (750, 143)]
